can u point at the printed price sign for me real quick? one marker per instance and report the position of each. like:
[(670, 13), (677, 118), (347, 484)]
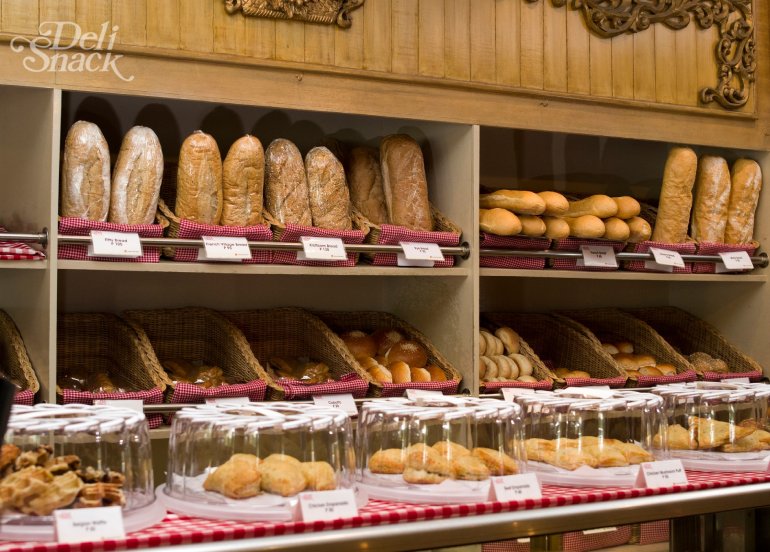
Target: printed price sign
[(227, 400), (89, 524), (224, 248), (736, 380), (322, 249), (136, 405), (413, 394), (589, 391), (600, 256), (344, 402), (524, 486), (327, 505), (599, 530), (510, 392), (667, 258), (424, 253), (114, 244), (664, 473), (734, 260)]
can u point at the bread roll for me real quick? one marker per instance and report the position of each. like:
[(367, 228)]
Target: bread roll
[(436, 373), (420, 374), (509, 338), (625, 347), (649, 371), (676, 196), (562, 372), (555, 203), (286, 193), (645, 360), (400, 372), (532, 226), (137, 177), (328, 191), (587, 226), (578, 374), (712, 198), (85, 180), (491, 343), (527, 379), (381, 374), (365, 182), (626, 361), (359, 344), (504, 368), (523, 363), (404, 183), (408, 351), (666, 369), (500, 222), (639, 230), (199, 180), (367, 363), (243, 183), (556, 228), (610, 348), (386, 338), (616, 229), (744, 195), (518, 201), (627, 207), (491, 368), (599, 205), (482, 343)]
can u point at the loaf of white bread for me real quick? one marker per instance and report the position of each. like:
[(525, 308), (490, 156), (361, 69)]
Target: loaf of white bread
[(199, 180), (404, 183), (137, 178), (85, 181), (744, 195), (676, 196), (711, 200), (243, 182)]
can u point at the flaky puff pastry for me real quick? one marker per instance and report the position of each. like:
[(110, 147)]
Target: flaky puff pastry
[(424, 465), (60, 493), (389, 461), (469, 468), (634, 453), (282, 478), (319, 476), (451, 450), (679, 438), (239, 477), (497, 462), (713, 433)]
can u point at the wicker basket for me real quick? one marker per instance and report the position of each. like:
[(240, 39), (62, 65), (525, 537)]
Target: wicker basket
[(563, 346), (14, 359), (689, 334), (369, 321), (293, 332)]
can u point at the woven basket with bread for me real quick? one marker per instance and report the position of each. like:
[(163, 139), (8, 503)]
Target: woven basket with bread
[(15, 363)]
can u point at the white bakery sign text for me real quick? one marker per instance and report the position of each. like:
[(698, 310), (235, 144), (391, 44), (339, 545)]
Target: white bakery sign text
[(63, 47)]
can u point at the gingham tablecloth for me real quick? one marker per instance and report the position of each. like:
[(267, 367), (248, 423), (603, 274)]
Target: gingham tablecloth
[(175, 529), (17, 251)]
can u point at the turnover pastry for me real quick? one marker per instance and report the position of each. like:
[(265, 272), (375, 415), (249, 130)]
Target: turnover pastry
[(758, 440), (424, 465), (713, 433), (319, 476), (451, 450), (679, 438), (389, 461), (498, 462), (282, 478), (470, 468), (239, 477)]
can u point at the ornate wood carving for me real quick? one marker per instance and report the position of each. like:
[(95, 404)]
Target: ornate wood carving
[(327, 12), (735, 50)]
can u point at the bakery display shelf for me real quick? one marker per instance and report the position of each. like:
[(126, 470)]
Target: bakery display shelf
[(26, 265), (621, 275)]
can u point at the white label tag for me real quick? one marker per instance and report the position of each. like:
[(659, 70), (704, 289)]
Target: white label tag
[(401, 260), (667, 258), (524, 486), (736, 260), (736, 380), (89, 524), (602, 256), (227, 400), (344, 402), (416, 251), (510, 392), (136, 405), (224, 248), (327, 505), (600, 530), (114, 244), (664, 473), (322, 249), (652, 265), (589, 391), (413, 394)]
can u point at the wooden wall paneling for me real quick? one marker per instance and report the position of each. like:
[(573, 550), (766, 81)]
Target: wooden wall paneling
[(131, 19), (555, 49), (19, 16), (404, 21), (431, 36), (507, 46), (59, 10), (259, 38), (623, 66), (163, 23), (705, 44), (92, 14), (349, 45), (600, 65), (532, 55), (225, 29), (378, 47), (457, 39), (483, 65), (319, 44), (644, 65), (686, 65), (289, 41), (578, 54), (199, 22), (665, 64)]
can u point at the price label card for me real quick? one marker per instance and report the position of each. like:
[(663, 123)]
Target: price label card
[(224, 248), (589, 391), (136, 405), (413, 394), (736, 380), (322, 249), (734, 260), (344, 402), (599, 530), (227, 400), (89, 524), (601, 256), (114, 244), (416, 251), (327, 505), (401, 260), (667, 258), (664, 473), (510, 392), (524, 486)]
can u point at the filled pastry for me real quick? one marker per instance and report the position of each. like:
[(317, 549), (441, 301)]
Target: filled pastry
[(239, 477)]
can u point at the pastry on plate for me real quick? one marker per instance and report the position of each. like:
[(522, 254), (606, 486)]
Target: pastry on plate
[(239, 477), (387, 461)]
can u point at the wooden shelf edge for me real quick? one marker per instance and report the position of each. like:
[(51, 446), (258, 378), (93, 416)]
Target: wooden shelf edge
[(25, 265), (160, 433), (621, 276)]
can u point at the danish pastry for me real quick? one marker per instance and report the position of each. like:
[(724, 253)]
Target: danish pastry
[(239, 477)]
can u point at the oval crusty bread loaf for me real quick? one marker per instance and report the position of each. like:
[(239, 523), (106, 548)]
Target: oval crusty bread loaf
[(243, 182), (532, 226), (555, 203), (640, 230), (137, 177), (616, 229), (556, 228), (587, 226), (599, 205), (676, 196), (286, 193), (404, 183), (627, 207), (500, 222), (520, 202), (199, 180), (85, 180), (712, 197), (328, 191), (365, 182), (744, 195)]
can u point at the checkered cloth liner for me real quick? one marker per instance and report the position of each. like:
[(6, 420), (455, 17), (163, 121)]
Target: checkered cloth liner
[(189, 229), (177, 530), (577, 541), (649, 381), (719, 376), (495, 386), (393, 235), (707, 248), (654, 531), (190, 393), (619, 381), (349, 383), (398, 389), (81, 227), (490, 241), (573, 244), (644, 247), (17, 251), (152, 396), (24, 397), (292, 234)]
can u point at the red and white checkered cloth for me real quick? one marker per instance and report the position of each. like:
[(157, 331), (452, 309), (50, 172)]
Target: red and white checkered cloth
[(26, 397), (490, 241), (574, 244), (151, 396), (81, 227), (191, 393), (393, 235), (649, 381), (494, 386), (578, 541), (644, 247), (619, 381), (397, 389), (719, 376), (189, 229), (293, 232), (349, 383), (18, 251), (654, 531), (708, 248)]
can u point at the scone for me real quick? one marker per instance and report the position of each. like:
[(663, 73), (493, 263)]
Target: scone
[(282, 478), (469, 468), (497, 462), (239, 477), (451, 450), (387, 461), (319, 476)]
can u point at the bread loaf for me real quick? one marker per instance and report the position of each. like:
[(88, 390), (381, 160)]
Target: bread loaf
[(243, 182), (286, 192), (587, 226), (520, 202), (85, 181), (199, 180), (676, 196), (616, 229), (137, 177), (601, 206), (500, 222), (712, 198), (640, 230), (556, 228), (744, 195), (555, 203), (365, 182), (404, 183), (532, 226), (328, 191), (627, 207)]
